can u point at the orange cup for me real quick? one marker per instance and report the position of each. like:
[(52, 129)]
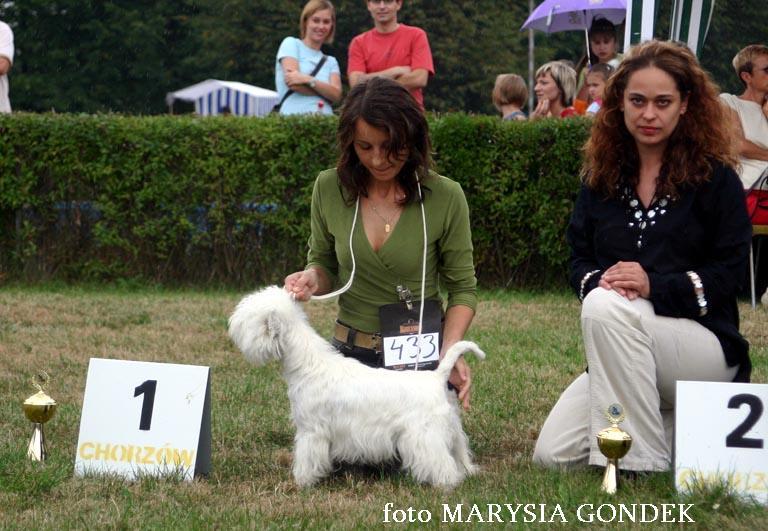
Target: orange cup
[(580, 106)]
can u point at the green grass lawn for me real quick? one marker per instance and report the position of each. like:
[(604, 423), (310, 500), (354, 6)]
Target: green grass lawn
[(534, 350)]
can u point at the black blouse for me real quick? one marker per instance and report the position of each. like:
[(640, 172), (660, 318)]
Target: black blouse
[(701, 237)]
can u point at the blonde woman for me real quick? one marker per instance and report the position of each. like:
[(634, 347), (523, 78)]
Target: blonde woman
[(555, 87), (308, 81)]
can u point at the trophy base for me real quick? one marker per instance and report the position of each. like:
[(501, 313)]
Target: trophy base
[(611, 477), (36, 450)]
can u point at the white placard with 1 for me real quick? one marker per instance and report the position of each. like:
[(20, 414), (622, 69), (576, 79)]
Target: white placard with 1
[(144, 418)]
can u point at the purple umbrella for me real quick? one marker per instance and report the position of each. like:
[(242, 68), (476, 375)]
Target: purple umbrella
[(564, 15), (567, 15)]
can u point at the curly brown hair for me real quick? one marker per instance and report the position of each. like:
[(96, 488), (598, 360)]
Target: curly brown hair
[(386, 105), (703, 135)]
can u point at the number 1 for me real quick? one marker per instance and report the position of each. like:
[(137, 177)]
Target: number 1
[(148, 390)]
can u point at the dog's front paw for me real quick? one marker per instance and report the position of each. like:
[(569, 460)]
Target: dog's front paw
[(307, 473), (305, 480)]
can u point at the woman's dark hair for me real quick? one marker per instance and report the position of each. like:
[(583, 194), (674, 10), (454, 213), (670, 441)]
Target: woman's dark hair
[(388, 106), (703, 134)]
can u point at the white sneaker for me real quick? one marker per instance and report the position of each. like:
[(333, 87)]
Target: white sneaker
[(764, 298)]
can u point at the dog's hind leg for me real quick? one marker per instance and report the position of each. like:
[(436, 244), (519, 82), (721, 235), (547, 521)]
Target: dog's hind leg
[(461, 453), (425, 453), (311, 458)]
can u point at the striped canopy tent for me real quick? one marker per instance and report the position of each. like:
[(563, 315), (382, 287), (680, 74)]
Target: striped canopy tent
[(690, 22), (213, 97)]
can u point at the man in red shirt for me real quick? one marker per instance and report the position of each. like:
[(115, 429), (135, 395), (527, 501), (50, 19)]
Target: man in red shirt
[(392, 50)]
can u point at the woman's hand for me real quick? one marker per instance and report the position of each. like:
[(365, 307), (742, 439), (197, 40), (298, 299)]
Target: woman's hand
[(541, 110), (457, 319), (461, 378), (294, 78), (302, 284), (630, 294), (629, 279)]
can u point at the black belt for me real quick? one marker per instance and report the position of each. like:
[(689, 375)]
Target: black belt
[(355, 338)]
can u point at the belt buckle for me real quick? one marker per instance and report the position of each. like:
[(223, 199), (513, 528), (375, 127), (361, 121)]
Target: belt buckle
[(353, 338), (376, 342)]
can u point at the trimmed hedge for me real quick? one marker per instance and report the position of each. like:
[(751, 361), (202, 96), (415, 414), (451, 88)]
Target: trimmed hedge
[(181, 199)]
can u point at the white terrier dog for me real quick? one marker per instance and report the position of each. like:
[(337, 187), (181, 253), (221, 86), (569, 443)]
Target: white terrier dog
[(347, 412)]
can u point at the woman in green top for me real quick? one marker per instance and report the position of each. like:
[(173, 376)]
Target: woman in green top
[(372, 199)]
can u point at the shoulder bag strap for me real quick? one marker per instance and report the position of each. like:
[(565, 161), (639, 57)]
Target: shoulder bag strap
[(313, 74)]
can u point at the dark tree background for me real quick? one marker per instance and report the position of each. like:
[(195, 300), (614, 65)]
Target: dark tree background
[(124, 55)]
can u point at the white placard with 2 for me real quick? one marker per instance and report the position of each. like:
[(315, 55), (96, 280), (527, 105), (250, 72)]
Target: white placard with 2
[(722, 436), (143, 418)]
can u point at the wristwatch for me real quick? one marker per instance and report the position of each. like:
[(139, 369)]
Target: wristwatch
[(313, 83)]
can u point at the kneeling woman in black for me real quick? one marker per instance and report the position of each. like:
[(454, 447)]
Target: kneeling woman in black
[(659, 243)]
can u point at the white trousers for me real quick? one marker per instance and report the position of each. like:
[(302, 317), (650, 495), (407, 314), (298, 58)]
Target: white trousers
[(635, 358)]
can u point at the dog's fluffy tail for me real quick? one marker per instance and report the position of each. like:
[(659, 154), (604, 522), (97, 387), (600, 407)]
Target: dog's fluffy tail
[(453, 353)]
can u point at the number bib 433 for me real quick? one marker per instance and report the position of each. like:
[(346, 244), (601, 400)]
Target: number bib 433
[(403, 347)]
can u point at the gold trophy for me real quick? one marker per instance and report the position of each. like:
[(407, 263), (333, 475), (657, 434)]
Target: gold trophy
[(614, 443), (39, 408)]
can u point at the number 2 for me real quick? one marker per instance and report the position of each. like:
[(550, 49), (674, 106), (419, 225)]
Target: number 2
[(148, 390), (736, 438)]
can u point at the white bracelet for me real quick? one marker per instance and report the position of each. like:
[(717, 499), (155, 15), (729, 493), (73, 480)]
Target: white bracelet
[(584, 281), (698, 290)]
